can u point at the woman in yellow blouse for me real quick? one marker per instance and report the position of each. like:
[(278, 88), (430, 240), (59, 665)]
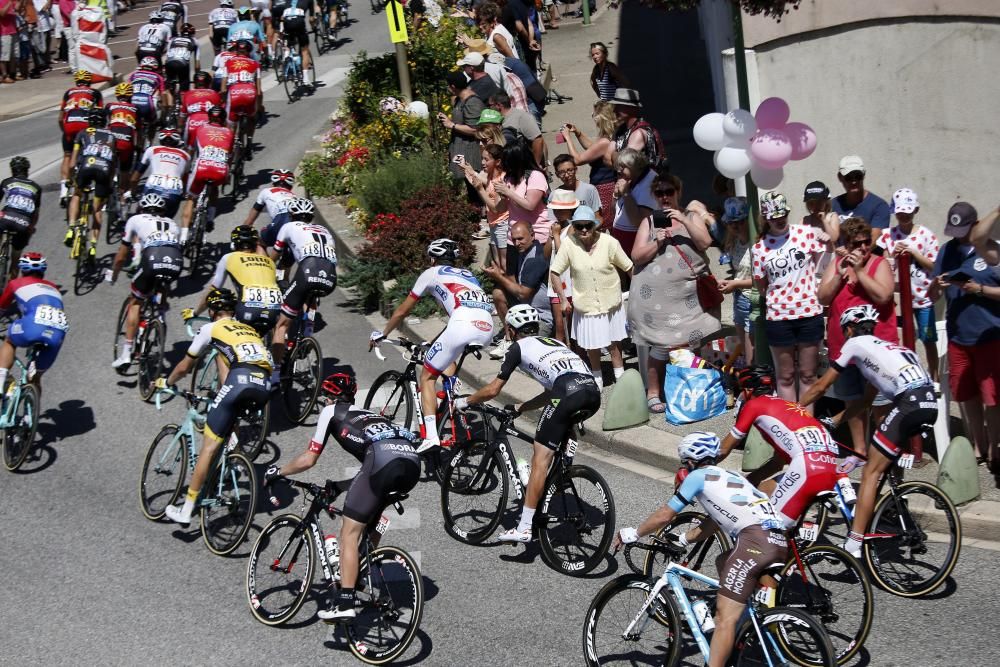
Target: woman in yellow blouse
[(593, 259)]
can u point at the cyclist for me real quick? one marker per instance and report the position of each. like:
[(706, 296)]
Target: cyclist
[(152, 37), (241, 87), (218, 65), (220, 19), (799, 440), (388, 464), (895, 371), (295, 30), (123, 122), (41, 318), (173, 11), (733, 502), (246, 365), (333, 11), (76, 105), (278, 8), (213, 145), (168, 166), (261, 12), (21, 201), (315, 255), (182, 53), (95, 155), (195, 104), (254, 279), (470, 321), (149, 92), (154, 237), (568, 388), (248, 29), (276, 200)]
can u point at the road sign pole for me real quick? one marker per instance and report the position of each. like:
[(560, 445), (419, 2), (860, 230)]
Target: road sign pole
[(398, 36), (404, 72)]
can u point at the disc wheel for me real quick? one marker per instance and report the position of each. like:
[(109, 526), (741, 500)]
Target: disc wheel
[(280, 570), (576, 521), (163, 472), (228, 504), (300, 387)]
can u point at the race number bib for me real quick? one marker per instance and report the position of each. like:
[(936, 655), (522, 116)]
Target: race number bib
[(214, 154), (815, 440), (257, 296), (50, 316), (99, 151), (180, 53), (21, 203), (165, 182), (160, 238), (316, 249), (252, 353), (293, 12), (472, 298)]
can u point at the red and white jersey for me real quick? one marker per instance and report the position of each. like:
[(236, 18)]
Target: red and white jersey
[(306, 239), (788, 262), (275, 200), (166, 164), (890, 367), (122, 114), (240, 70), (923, 242), (453, 288), (214, 144), (144, 230), (200, 100), (787, 427)]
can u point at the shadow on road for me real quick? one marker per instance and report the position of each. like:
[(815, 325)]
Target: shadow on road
[(68, 419)]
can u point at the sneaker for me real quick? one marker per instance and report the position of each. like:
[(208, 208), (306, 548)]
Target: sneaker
[(514, 535), (176, 514), (853, 548), (428, 445), (68, 239), (122, 362), (335, 614), (500, 350)]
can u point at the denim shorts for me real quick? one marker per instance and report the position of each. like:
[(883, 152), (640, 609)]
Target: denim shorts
[(788, 333), (926, 326), (741, 312)]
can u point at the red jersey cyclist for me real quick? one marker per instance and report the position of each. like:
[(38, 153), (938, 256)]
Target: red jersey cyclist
[(241, 87), (195, 104), (73, 114), (213, 145)]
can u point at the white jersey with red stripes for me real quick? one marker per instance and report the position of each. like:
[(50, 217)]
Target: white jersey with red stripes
[(892, 368), (145, 230), (275, 200), (453, 288), (164, 162)]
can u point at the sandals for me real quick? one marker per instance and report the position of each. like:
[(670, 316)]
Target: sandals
[(655, 405)]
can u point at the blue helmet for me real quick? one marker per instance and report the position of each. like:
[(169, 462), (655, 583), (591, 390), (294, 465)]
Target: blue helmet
[(699, 446)]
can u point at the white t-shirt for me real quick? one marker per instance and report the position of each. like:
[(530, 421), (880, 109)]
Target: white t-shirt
[(306, 239), (924, 242), (454, 289), (789, 264), (642, 192), (890, 367)]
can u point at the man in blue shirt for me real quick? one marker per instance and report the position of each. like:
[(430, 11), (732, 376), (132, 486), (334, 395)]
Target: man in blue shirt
[(856, 201), (247, 28)]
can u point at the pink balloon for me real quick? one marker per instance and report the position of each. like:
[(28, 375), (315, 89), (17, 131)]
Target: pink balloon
[(803, 140), (772, 114), (770, 149)]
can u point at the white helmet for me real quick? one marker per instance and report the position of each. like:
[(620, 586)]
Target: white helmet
[(522, 315), (699, 446), (225, 3), (301, 208), (858, 314), (152, 201), (443, 249)]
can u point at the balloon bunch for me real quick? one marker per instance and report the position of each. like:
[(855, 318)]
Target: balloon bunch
[(760, 144)]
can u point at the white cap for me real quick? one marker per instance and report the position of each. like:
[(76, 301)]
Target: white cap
[(904, 200), (473, 58), (850, 163)]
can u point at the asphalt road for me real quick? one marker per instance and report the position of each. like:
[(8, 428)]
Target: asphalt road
[(88, 580)]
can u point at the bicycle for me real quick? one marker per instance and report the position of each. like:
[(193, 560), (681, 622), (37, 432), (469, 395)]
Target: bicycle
[(19, 420), (6, 253), (199, 227), (390, 591), (235, 184), (302, 365), (149, 346), (822, 580), (229, 497), (648, 627), (378, 5), (575, 520), (85, 265), (292, 73)]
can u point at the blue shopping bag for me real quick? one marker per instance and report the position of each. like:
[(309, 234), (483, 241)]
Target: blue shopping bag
[(693, 394)]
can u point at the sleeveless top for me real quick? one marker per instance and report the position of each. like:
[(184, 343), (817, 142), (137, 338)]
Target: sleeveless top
[(600, 172), (853, 294)]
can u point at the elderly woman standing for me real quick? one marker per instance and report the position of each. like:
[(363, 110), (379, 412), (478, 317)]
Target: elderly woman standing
[(593, 260), (595, 154), (633, 195), (663, 307)]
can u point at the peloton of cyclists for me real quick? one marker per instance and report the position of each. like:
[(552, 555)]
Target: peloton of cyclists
[(20, 202), (195, 104), (73, 118)]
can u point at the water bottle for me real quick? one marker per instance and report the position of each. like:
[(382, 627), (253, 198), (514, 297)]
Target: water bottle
[(725, 258), (448, 382), (703, 615), (332, 550), (523, 471), (846, 490)]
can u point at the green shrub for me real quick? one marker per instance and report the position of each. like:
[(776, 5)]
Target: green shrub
[(394, 180), (370, 80)]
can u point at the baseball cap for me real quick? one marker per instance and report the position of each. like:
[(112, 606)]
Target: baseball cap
[(773, 205), (816, 190), (850, 163), (735, 208), (961, 216), (563, 199), (904, 200), (489, 116), (473, 58)]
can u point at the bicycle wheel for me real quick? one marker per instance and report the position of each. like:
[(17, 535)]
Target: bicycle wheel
[(655, 637), (391, 398), (228, 504), (251, 430), (474, 492), (300, 387), (120, 329), (389, 607), (700, 555), (916, 539), (20, 436), (151, 357), (205, 382), (576, 521), (292, 74), (163, 472), (278, 62), (829, 584), (280, 571), (791, 637)]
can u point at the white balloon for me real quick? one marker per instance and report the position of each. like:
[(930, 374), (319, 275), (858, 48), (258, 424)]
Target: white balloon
[(767, 179), (708, 132), (733, 162), (739, 124), (418, 109)]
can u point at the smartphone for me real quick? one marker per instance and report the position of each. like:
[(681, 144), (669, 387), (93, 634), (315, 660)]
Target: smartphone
[(660, 220), (458, 159), (959, 277)]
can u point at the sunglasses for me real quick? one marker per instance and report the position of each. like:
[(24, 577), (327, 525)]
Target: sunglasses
[(854, 176), (860, 242), (585, 227), (665, 192)]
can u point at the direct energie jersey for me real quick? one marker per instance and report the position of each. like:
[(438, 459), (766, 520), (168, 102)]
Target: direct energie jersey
[(453, 288), (728, 498), (544, 359), (306, 239), (253, 276), (890, 367), (21, 198), (237, 343), (786, 426)]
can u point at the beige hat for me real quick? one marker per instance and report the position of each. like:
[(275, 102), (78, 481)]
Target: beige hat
[(564, 200), (850, 163)]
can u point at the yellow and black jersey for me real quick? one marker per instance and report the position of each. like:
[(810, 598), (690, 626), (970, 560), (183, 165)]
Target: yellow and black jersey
[(237, 343), (253, 277)]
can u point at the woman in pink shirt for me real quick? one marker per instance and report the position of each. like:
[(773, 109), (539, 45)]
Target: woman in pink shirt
[(523, 190)]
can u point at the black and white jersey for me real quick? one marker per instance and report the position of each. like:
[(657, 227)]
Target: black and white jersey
[(146, 231), (892, 368), (544, 359), (306, 239)]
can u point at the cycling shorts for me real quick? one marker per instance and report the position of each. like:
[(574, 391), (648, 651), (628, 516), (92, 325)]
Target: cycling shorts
[(571, 393), (24, 332), (241, 99), (146, 105), (18, 226), (70, 130), (467, 326), (315, 275), (756, 549), (389, 465), (101, 178), (297, 33), (911, 410), (245, 386), (269, 234), (194, 122), (157, 264), (219, 35), (180, 72), (202, 173), (806, 475), (172, 196), (144, 50), (261, 319)]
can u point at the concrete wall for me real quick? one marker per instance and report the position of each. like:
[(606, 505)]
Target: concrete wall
[(918, 100)]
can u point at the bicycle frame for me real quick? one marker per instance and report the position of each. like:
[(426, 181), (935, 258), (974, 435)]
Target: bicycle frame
[(24, 376)]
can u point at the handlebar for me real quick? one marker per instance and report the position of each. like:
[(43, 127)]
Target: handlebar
[(401, 342), (671, 551), (189, 396), (189, 324)]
